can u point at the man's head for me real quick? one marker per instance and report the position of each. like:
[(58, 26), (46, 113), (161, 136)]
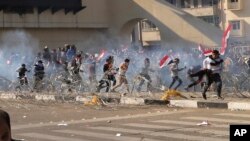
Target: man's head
[(46, 48), (78, 55), (110, 59), (5, 129), (40, 62), (215, 54), (127, 61), (176, 60)]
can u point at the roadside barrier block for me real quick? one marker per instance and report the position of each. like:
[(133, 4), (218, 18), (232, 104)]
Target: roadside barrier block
[(211, 104), (184, 103), (83, 99), (238, 105), (8, 96), (132, 101), (45, 97)]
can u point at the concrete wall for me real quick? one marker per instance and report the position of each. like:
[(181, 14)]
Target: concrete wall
[(94, 16), (151, 36), (58, 29)]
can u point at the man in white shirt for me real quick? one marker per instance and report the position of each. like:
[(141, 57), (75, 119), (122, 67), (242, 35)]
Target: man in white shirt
[(174, 69), (122, 75), (215, 64), (144, 74)]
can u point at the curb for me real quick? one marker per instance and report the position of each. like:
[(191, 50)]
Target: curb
[(8, 96), (45, 97), (137, 101), (211, 104), (184, 103), (84, 99), (239, 105)]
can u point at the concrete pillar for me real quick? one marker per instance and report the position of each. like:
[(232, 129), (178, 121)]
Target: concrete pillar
[(136, 34), (196, 3), (199, 3), (178, 3), (192, 4)]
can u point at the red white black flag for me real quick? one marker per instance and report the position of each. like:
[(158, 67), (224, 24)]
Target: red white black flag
[(205, 52), (164, 61), (224, 39)]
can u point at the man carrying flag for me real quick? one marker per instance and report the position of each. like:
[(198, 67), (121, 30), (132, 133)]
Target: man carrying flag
[(174, 73), (174, 69)]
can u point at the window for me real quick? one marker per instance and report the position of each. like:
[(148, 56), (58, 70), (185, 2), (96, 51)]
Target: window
[(211, 19), (206, 3), (148, 25), (235, 25), (172, 1), (234, 0)]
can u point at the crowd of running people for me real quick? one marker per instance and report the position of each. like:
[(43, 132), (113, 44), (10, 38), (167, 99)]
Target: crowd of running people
[(70, 60)]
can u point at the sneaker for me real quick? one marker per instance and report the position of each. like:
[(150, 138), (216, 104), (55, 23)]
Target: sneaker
[(112, 91), (219, 97), (186, 89), (123, 94), (204, 96)]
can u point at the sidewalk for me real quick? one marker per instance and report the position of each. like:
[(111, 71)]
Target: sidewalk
[(194, 100)]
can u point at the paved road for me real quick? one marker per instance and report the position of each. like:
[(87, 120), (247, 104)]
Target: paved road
[(148, 124)]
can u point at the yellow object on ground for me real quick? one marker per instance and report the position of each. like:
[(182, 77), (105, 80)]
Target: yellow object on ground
[(171, 93), (94, 101)]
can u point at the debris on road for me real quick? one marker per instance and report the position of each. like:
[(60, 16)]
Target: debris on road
[(62, 124), (203, 123), (172, 93), (118, 134), (94, 101)]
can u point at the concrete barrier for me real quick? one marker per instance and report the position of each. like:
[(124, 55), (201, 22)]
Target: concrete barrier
[(239, 106), (184, 103), (8, 96), (45, 97), (132, 101), (83, 99)]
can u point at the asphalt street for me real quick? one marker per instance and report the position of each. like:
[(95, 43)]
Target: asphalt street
[(44, 121)]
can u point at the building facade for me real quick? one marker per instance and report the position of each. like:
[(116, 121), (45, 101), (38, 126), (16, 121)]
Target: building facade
[(220, 13), (237, 13), (207, 10)]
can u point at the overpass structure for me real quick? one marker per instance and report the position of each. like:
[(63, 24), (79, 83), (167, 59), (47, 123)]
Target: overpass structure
[(54, 24)]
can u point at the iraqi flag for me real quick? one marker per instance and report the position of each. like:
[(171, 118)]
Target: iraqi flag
[(225, 39), (205, 52), (165, 60), (101, 55)]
